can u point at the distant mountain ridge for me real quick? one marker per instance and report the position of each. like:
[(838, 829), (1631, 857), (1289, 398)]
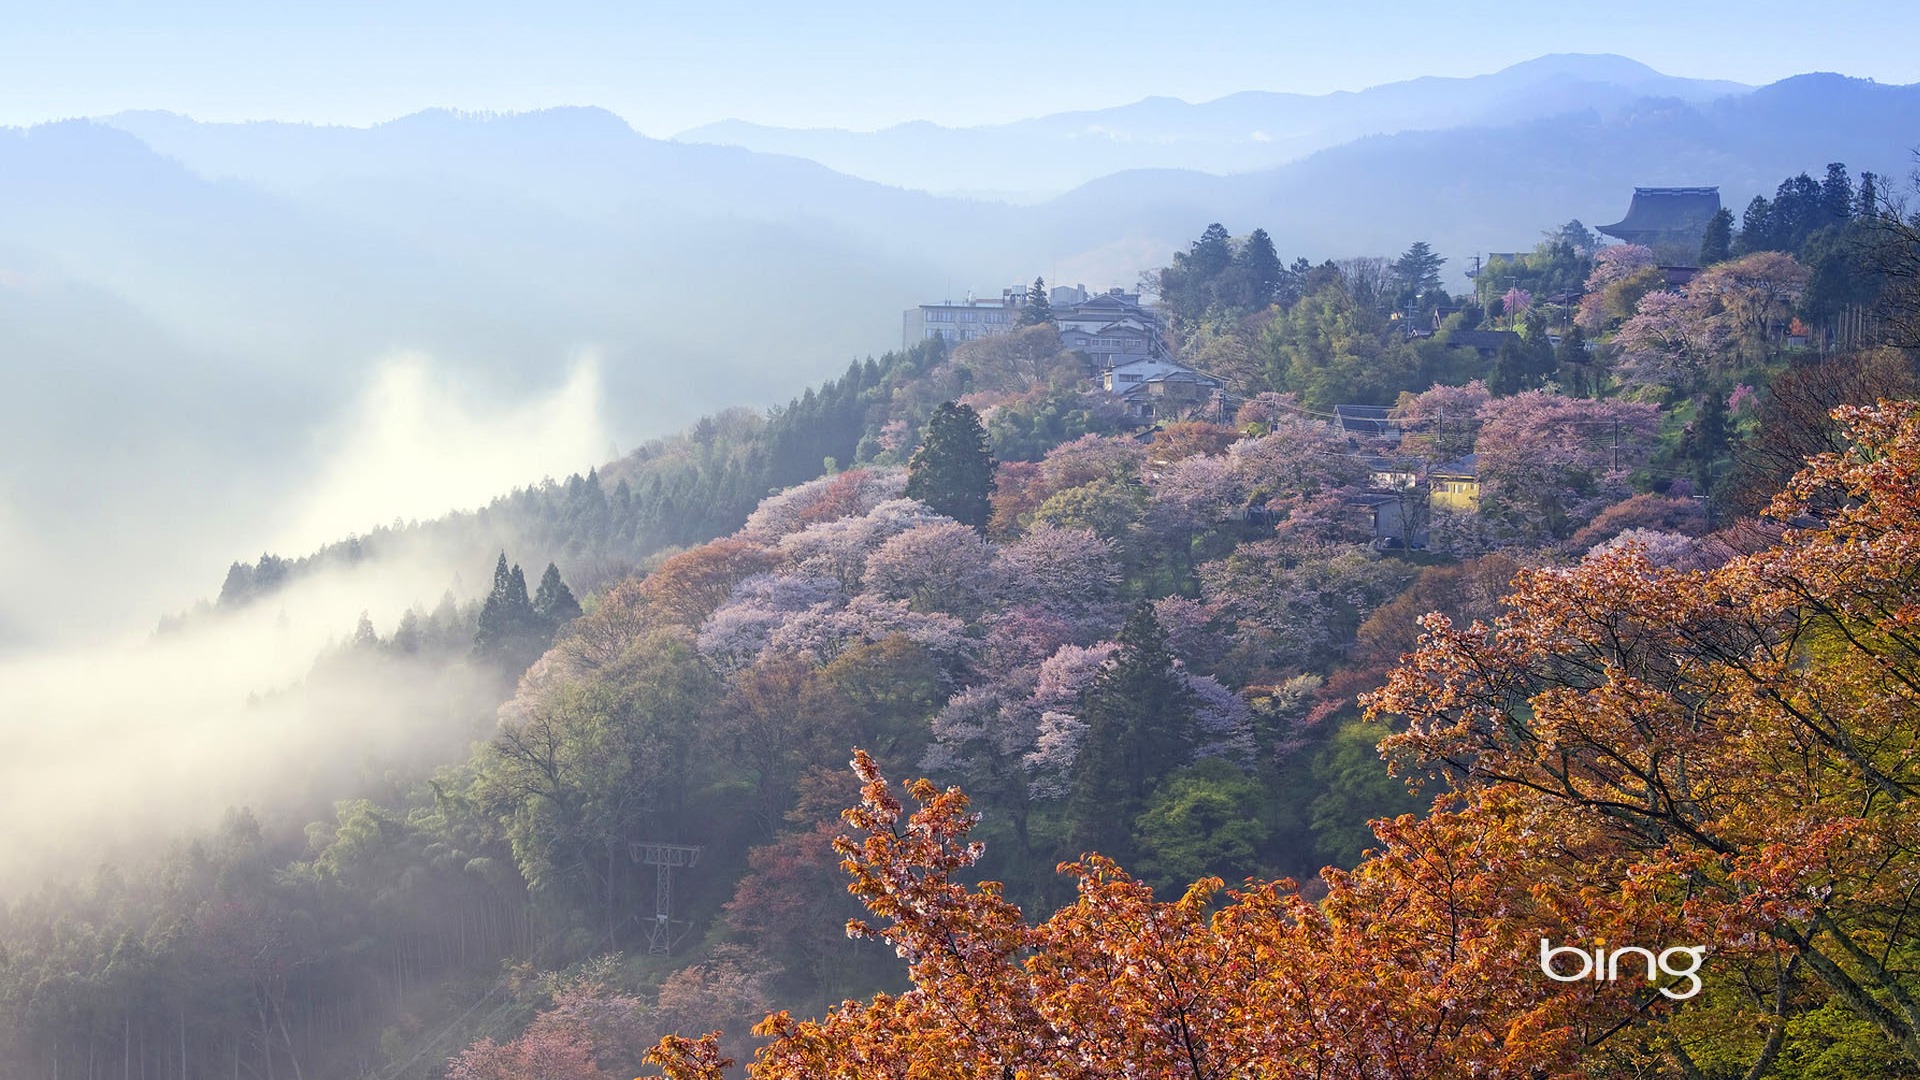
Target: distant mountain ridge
[(188, 301), (1241, 132)]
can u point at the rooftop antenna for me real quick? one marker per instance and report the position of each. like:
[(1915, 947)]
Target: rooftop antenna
[(664, 858)]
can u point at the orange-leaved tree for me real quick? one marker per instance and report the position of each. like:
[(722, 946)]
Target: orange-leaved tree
[(1741, 745), (1419, 964)]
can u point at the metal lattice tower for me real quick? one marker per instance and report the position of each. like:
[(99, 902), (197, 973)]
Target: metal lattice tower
[(663, 858)]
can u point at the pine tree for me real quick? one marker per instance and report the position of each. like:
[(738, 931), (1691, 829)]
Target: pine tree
[(1139, 717), (553, 602), (509, 633), (1756, 227), (1868, 200), (1716, 244), (1262, 269), (1417, 270), (408, 637), (952, 471), (1212, 253), (1039, 309), (1836, 195)]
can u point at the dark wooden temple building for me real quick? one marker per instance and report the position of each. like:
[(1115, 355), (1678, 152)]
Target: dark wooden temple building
[(1667, 219)]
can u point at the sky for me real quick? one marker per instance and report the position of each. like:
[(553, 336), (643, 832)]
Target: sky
[(666, 67)]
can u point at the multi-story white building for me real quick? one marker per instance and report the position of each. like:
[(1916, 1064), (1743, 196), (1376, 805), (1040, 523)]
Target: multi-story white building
[(964, 321)]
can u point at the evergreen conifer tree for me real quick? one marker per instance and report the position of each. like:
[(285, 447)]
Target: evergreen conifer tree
[(952, 471), (553, 602), (1139, 717), (509, 633), (1261, 265), (1836, 196), (1039, 309), (1868, 200), (1417, 270), (1716, 244)]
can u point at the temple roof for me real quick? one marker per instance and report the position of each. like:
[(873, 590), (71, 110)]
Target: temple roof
[(1666, 210)]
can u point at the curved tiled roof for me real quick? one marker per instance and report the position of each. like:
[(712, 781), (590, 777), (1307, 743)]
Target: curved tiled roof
[(1656, 210)]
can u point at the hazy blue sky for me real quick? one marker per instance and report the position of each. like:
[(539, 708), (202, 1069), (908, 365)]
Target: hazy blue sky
[(666, 67)]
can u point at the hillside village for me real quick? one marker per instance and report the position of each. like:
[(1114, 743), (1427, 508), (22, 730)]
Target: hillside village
[(1129, 356)]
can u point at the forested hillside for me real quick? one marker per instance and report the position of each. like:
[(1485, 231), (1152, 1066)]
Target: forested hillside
[(1663, 521)]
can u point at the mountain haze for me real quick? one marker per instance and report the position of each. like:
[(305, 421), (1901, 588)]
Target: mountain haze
[(1029, 159), (197, 310)]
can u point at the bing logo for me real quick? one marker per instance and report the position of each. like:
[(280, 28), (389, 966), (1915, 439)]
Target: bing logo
[(1599, 965)]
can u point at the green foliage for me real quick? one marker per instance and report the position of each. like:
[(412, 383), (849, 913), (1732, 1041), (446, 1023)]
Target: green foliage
[(1800, 207), (510, 634), (1108, 506), (1716, 244), (1039, 309), (1139, 719), (952, 472), (1202, 820), (554, 603), (1331, 349), (1416, 275), (1026, 429), (1354, 788), (1526, 362), (1833, 1043), (1557, 265), (596, 763), (1218, 277)]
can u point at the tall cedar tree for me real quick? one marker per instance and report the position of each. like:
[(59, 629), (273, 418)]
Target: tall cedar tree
[(553, 601), (1263, 269), (952, 472), (1139, 717), (509, 634), (1039, 309), (1716, 244)]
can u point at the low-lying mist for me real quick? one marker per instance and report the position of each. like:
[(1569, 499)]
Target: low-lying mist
[(114, 737), (414, 446), (130, 743)]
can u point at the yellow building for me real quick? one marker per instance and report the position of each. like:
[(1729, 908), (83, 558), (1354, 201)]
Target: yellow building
[(1455, 486)]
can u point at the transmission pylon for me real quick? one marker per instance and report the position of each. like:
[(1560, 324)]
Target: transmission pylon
[(663, 858)]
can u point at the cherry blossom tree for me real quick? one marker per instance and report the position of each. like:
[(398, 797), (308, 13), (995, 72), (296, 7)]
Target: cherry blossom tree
[(1201, 488), (1621, 275), (1441, 424), (1053, 706), (1548, 463), (849, 494), (820, 634), (839, 548), (739, 632), (1090, 458), (1515, 302), (939, 566), (1291, 607), (1669, 343), (1069, 573), (1299, 456)]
